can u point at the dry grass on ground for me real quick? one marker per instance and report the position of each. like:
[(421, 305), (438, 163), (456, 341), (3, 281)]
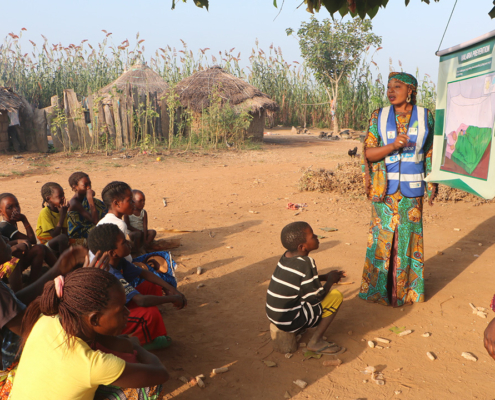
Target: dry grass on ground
[(346, 179)]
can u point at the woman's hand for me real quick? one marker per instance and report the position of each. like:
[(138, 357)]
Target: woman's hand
[(400, 141)]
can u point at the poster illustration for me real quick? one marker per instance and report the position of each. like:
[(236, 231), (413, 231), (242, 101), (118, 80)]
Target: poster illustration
[(465, 118)]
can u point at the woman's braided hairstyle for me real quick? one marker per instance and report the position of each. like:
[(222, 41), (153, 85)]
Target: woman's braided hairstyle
[(76, 177), (85, 290), (115, 190), (47, 190)]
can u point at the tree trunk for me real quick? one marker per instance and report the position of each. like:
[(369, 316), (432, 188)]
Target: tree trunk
[(334, 110)]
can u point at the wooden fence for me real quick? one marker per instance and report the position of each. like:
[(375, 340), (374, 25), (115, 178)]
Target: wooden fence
[(120, 119)]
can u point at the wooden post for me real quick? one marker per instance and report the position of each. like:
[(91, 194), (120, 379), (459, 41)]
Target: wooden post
[(92, 116), (116, 119), (102, 125), (143, 102), (78, 130), (39, 125), (283, 342), (124, 119), (57, 134), (109, 121), (130, 115), (165, 118), (157, 121)]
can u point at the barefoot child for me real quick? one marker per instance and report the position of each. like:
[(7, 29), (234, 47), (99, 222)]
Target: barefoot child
[(10, 210), (145, 320), (296, 300), (61, 359), (138, 220), (51, 229), (84, 210)]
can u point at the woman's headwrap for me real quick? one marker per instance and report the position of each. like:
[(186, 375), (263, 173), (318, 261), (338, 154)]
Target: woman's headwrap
[(409, 80)]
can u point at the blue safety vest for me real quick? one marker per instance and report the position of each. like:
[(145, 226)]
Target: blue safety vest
[(406, 169)]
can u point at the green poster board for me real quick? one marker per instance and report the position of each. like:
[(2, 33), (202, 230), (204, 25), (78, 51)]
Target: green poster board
[(465, 118)]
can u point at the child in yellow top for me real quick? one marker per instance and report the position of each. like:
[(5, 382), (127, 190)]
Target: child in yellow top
[(51, 229), (74, 347)]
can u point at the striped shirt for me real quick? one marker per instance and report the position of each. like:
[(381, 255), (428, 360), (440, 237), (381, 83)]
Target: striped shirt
[(294, 294)]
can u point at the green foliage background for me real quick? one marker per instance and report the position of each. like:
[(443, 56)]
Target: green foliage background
[(44, 70)]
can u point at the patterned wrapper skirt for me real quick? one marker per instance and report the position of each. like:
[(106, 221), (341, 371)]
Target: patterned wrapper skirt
[(393, 269), (116, 393), (6, 381)]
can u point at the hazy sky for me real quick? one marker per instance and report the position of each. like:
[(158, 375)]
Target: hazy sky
[(410, 34)]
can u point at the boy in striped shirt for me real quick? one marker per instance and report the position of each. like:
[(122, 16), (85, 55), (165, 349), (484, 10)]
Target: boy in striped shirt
[(296, 299)]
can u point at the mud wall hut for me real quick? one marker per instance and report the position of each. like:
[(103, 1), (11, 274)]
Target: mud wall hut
[(195, 94), (9, 102)]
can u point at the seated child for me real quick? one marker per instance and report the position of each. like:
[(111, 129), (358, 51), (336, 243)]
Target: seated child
[(62, 332), (295, 299), (138, 220), (145, 320), (51, 229), (10, 211), (119, 200), (84, 210)]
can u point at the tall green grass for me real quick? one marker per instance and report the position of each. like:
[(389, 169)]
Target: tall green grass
[(46, 69)]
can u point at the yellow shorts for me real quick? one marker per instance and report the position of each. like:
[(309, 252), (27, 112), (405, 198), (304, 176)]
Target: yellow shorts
[(331, 303)]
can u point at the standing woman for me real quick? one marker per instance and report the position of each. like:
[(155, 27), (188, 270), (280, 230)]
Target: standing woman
[(396, 158)]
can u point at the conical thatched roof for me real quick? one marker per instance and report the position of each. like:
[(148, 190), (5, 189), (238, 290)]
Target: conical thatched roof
[(9, 100), (141, 77), (195, 92)]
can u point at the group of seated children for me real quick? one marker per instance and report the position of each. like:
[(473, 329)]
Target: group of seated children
[(86, 300), (92, 318)]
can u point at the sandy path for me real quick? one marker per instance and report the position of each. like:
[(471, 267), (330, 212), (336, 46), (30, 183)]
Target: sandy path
[(225, 324)]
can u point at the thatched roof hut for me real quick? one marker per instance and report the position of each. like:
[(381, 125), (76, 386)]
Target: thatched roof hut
[(9, 101), (139, 76), (149, 85), (195, 91)]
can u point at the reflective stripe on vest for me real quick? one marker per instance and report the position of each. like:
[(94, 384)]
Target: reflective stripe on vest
[(406, 167)]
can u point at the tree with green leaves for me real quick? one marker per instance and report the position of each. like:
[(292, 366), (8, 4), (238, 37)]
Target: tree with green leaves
[(333, 50), (361, 8)]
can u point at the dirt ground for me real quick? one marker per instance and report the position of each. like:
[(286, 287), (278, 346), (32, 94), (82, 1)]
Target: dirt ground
[(235, 204)]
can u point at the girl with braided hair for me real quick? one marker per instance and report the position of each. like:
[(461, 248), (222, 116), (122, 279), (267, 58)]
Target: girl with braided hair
[(84, 210), (74, 346), (51, 228)]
